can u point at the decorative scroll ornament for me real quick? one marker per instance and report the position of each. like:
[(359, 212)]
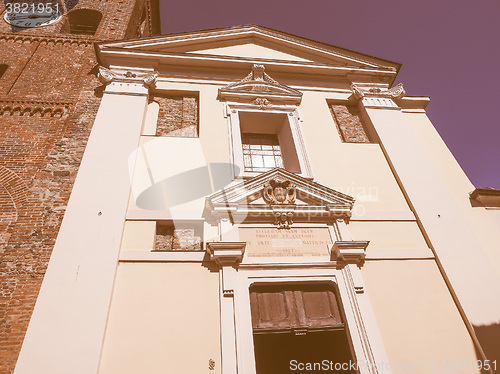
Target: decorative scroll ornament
[(279, 192), (150, 79), (106, 76), (262, 103), (395, 92)]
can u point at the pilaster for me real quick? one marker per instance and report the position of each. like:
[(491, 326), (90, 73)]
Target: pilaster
[(66, 331), (227, 255), (459, 251)]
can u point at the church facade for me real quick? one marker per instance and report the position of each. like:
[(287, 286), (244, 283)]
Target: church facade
[(250, 201)]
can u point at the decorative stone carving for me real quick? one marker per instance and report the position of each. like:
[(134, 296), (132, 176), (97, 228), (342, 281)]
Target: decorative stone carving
[(396, 92), (281, 192), (257, 74), (349, 252), (260, 89), (262, 103), (150, 79), (246, 201), (283, 220), (106, 76), (226, 253)]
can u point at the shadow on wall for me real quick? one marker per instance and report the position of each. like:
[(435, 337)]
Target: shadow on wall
[(185, 187), (489, 338)]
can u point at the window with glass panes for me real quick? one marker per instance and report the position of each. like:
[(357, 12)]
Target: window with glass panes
[(261, 152)]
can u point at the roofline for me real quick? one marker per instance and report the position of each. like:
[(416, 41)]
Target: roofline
[(312, 43), (193, 59), (285, 33)]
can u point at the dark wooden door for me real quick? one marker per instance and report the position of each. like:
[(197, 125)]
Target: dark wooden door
[(298, 323), (299, 308)]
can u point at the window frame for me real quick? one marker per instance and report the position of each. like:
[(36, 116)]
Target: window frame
[(251, 151), (232, 113)]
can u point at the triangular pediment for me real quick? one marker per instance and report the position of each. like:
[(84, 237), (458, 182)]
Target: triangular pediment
[(254, 43), (275, 191), (250, 50), (259, 87)]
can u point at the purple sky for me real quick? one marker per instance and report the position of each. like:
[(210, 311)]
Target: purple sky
[(450, 51)]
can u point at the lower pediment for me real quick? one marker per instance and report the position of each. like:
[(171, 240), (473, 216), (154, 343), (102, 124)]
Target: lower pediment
[(280, 196)]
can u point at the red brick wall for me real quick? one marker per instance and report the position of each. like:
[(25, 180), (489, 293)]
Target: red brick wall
[(169, 238), (349, 124), (49, 97), (178, 116)]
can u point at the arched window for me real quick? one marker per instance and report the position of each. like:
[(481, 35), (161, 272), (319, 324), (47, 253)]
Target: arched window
[(84, 21), (3, 69)]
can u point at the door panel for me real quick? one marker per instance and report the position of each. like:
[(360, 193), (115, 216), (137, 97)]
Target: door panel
[(305, 307)]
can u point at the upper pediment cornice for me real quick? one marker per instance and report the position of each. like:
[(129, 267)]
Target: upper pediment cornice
[(186, 51), (192, 41), (209, 66)]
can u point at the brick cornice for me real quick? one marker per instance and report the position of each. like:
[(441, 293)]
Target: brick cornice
[(35, 107), (56, 39)]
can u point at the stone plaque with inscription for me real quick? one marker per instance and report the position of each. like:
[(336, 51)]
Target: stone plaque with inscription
[(271, 242)]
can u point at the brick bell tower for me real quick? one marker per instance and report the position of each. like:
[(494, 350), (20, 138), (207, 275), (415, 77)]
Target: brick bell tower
[(49, 96)]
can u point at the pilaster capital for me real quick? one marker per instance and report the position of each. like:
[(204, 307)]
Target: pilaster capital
[(349, 252), (226, 253), (127, 82), (377, 97)]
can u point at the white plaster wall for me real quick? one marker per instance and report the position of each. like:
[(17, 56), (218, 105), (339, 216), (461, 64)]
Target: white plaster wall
[(495, 215), (417, 318), (138, 236), (479, 220), (462, 246), (250, 50), (388, 235), (164, 318), (359, 170)]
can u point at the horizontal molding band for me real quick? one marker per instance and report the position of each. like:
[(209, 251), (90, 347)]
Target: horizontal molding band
[(159, 256), (399, 254), (367, 216), (155, 215), (383, 216)]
